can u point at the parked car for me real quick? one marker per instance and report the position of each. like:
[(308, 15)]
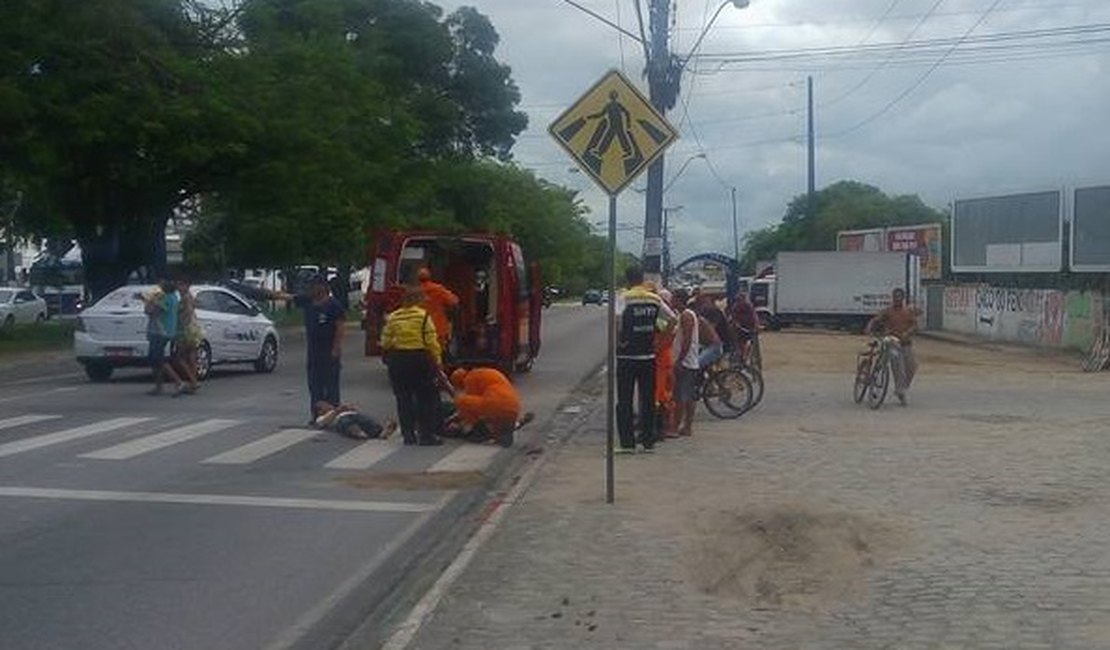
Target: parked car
[(20, 306), (591, 297), (112, 333)]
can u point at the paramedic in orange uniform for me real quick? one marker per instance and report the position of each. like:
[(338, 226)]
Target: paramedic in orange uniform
[(664, 375), (437, 300), (487, 402)]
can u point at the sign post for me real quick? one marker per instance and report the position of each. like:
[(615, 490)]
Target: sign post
[(613, 133)]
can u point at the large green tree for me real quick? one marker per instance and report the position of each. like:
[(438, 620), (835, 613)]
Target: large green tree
[(845, 205)]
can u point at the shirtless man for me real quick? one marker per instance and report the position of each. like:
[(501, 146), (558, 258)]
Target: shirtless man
[(900, 321)]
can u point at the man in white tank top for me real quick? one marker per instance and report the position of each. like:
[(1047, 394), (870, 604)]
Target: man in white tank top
[(686, 347)]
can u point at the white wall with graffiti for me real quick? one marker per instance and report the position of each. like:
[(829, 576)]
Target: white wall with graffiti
[(1047, 317)]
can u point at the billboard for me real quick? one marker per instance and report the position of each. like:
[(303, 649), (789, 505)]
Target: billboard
[(1090, 229), (1016, 233), (924, 241), (871, 241)]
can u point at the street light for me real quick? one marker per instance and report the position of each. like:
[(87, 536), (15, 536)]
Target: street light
[(674, 179), (739, 4)]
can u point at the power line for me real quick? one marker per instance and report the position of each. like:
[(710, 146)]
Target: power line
[(594, 14), (920, 80)]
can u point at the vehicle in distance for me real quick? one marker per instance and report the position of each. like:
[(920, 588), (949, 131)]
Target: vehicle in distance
[(20, 306), (591, 297), (112, 333)]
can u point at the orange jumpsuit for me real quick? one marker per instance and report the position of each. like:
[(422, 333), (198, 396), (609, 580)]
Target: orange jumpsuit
[(664, 372), (488, 396), (438, 299)]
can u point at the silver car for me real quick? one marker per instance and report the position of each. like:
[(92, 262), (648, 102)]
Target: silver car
[(20, 306), (112, 333)]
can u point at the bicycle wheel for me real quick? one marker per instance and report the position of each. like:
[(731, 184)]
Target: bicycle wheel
[(880, 382), (755, 378), (727, 394), (863, 376)]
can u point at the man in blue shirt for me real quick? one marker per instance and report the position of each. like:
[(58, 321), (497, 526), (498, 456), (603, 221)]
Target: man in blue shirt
[(324, 326)]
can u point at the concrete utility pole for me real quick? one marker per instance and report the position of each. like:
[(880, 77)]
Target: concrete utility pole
[(735, 229), (662, 90), (811, 192)]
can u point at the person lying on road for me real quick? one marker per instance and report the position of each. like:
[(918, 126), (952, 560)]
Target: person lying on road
[(346, 420)]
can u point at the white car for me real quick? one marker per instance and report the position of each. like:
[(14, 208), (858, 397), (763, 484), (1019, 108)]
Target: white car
[(112, 333), (20, 306)]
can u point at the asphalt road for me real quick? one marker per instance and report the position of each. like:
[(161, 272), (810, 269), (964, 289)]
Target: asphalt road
[(217, 521)]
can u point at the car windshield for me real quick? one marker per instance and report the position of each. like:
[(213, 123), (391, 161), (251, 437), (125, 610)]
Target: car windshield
[(6, 296)]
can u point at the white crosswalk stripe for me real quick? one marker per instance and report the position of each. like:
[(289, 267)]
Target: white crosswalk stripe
[(365, 455), (68, 435), (20, 420), (466, 458), (161, 440), (259, 449)]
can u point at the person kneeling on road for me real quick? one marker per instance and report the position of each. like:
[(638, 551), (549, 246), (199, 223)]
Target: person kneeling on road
[(346, 420), (487, 405)]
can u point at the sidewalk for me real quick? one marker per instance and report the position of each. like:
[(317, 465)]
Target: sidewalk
[(976, 518)]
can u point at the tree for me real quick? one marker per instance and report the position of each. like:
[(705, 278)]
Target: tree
[(845, 205), (107, 122)]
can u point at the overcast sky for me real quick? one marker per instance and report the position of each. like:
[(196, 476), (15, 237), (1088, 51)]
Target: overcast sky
[(1029, 113)]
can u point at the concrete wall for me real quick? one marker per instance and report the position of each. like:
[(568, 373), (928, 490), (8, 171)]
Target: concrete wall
[(1047, 317)]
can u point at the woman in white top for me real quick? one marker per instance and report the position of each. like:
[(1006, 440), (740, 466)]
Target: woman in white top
[(686, 370)]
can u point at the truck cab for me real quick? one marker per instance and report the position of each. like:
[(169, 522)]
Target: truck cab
[(497, 323)]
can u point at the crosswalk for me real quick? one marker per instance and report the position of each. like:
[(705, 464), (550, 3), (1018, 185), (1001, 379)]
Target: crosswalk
[(119, 439)]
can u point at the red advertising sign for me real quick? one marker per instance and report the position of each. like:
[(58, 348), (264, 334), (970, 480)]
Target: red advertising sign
[(923, 241)]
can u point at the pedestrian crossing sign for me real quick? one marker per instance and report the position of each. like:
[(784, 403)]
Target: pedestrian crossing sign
[(613, 132)]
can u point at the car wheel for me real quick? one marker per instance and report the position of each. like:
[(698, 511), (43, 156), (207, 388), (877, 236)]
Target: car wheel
[(268, 357), (204, 360), (98, 372)]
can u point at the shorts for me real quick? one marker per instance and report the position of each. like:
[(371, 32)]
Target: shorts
[(156, 349), (685, 385), (710, 354)]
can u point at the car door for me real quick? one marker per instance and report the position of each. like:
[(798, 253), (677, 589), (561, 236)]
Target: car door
[(215, 324), (245, 337), (25, 305)]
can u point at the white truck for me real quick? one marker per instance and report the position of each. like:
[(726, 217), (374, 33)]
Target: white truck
[(841, 289)]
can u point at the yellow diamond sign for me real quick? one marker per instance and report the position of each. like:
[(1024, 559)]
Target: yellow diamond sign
[(613, 132)]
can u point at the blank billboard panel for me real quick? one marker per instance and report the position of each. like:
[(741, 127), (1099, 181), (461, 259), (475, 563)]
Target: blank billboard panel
[(1090, 230), (1014, 233)]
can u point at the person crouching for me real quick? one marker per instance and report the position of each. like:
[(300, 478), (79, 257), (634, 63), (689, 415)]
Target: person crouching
[(487, 405)]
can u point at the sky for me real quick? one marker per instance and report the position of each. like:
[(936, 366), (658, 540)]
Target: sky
[(983, 111)]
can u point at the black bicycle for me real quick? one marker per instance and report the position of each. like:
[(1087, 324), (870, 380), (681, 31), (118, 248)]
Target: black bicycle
[(874, 368), (726, 391)]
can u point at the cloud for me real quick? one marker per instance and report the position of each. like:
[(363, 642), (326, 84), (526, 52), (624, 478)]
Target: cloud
[(1033, 121)]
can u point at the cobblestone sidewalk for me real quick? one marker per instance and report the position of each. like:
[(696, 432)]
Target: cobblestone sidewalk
[(975, 518)]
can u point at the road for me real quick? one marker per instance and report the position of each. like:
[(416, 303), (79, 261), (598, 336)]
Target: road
[(218, 521)]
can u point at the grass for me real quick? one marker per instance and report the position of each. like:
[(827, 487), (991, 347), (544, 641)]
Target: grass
[(51, 335)]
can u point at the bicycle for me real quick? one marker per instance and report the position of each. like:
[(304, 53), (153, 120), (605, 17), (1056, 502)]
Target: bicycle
[(725, 391), (748, 359), (874, 368)]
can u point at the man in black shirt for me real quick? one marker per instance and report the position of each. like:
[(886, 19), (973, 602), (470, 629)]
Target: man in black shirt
[(639, 313), (324, 326)]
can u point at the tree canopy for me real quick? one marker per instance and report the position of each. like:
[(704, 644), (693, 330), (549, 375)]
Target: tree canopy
[(845, 205), (286, 128)]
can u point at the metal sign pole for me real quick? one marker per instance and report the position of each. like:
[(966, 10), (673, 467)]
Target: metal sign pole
[(611, 360)]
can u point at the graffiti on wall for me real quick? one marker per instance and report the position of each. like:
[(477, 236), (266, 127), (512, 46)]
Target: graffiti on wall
[(1038, 316)]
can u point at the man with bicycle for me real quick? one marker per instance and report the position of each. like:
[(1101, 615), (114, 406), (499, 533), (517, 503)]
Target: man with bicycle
[(899, 321)]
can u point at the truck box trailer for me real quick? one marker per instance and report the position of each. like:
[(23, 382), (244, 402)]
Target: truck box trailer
[(843, 289)]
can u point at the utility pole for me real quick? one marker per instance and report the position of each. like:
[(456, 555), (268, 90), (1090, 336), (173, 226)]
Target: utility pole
[(735, 229), (662, 92), (811, 195)]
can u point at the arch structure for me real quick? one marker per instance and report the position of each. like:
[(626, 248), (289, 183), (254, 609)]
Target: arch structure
[(731, 265)]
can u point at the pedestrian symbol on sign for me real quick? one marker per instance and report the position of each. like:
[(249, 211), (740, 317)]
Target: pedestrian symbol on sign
[(613, 132)]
